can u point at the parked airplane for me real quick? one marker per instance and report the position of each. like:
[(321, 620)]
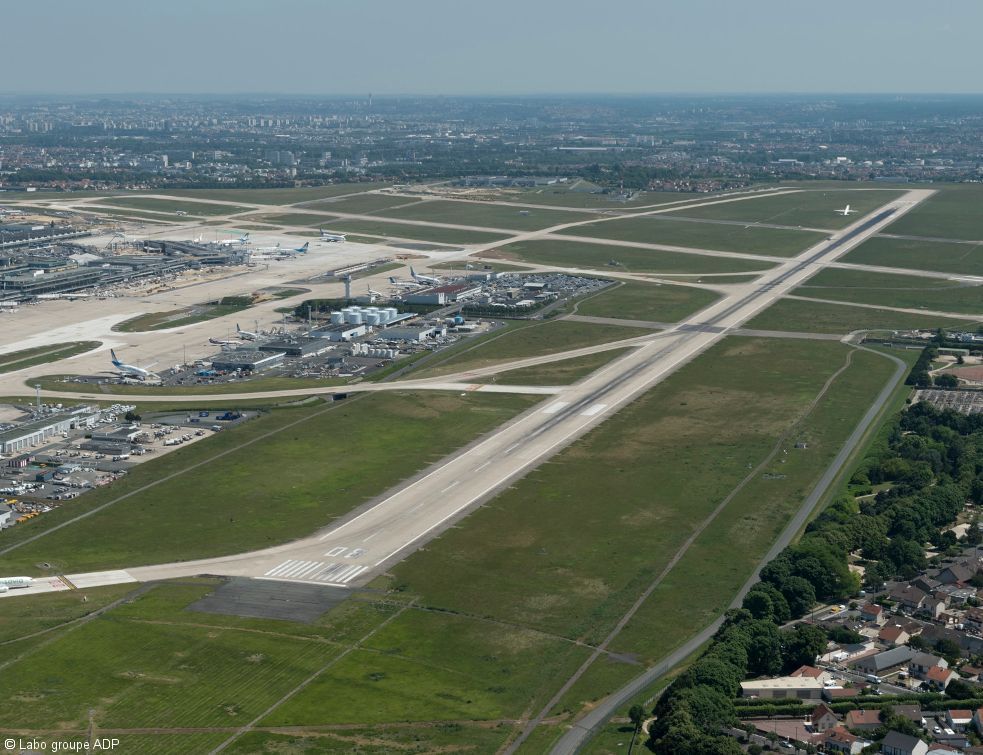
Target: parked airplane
[(845, 211), (328, 236), (221, 342), (129, 370), (241, 241), (426, 280), (246, 334), (402, 284)]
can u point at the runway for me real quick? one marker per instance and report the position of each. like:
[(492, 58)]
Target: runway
[(353, 551)]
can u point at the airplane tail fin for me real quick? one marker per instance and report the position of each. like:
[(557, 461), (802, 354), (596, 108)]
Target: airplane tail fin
[(112, 353), (305, 247), (392, 279), (412, 271), (238, 329)]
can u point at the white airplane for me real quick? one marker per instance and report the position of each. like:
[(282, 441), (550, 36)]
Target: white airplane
[(129, 370), (277, 249), (402, 284), (426, 280), (241, 241), (221, 342), (197, 239), (248, 335), (845, 211), (328, 236)]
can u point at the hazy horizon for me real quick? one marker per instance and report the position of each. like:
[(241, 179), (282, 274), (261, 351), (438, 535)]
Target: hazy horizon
[(511, 48)]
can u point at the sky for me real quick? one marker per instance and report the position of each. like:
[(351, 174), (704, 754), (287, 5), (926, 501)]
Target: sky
[(480, 47)]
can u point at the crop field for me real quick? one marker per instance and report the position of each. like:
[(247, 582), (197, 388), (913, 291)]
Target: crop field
[(952, 213), (962, 259), (421, 232), (652, 229), (173, 205), (18, 360), (890, 290), (252, 501), (526, 340), (647, 301), (585, 255), (812, 209), (818, 317), (277, 196), (486, 215)]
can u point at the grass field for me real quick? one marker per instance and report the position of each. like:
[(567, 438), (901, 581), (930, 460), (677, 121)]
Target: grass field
[(18, 360), (280, 487), (564, 372), (421, 232), (304, 219), (652, 229), (963, 259), (177, 318), (361, 204), (486, 215), (561, 197), (952, 213), (461, 266), (890, 290), (525, 339), (134, 215), (277, 196), (26, 615), (647, 301), (817, 317), (173, 205), (813, 209), (600, 256)]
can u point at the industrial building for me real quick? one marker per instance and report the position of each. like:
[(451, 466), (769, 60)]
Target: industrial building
[(298, 346), (23, 234), (801, 687), (341, 332), (446, 294), (38, 431), (117, 434), (246, 360), (416, 334)]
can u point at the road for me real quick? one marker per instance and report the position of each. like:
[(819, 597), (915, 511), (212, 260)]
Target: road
[(352, 551)]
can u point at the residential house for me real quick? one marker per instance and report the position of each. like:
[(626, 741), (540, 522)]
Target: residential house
[(896, 743), (970, 672), (973, 619), (885, 661), (935, 606), (978, 720), (908, 597), (840, 740), (839, 694), (922, 662), (956, 573), (873, 614), (893, 635), (823, 718), (926, 583), (862, 719), (912, 711), (959, 719), (939, 678)]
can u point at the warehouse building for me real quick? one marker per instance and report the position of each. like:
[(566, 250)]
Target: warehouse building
[(117, 434), (341, 332), (246, 360), (417, 334), (441, 295), (37, 431), (298, 346)]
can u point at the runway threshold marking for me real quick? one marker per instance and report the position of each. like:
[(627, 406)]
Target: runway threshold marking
[(592, 410), (316, 571), (555, 407)]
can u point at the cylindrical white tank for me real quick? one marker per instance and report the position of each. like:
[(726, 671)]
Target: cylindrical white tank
[(372, 318), (337, 318), (391, 313), (353, 318)]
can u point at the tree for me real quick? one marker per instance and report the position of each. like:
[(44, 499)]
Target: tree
[(800, 595), (764, 652), (759, 604), (636, 713), (802, 644), (947, 380)]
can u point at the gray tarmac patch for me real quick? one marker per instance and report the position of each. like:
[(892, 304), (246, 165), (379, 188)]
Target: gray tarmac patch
[(270, 599)]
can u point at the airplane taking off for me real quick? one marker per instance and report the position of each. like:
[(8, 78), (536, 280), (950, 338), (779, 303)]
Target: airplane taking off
[(402, 284), (845, 211), (425, 280), (328, 236), (241, 241), (129, 370), (246, 334)]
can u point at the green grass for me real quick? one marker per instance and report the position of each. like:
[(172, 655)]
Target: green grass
[(387, 268), (362, 204), (134, 215), (655, 230), (477, 266), (18, 360), (409, 740), (814, 209), (277, 196), (962, 259), (817, 317), (597, 256), (485, 215), (563, 372), (561, 197), (25, 615), (890, 290), (173, 205), (421, 232), (647, 301), (279, 487), (952, 213), (307, 219), (177, 318), (525, 339)]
